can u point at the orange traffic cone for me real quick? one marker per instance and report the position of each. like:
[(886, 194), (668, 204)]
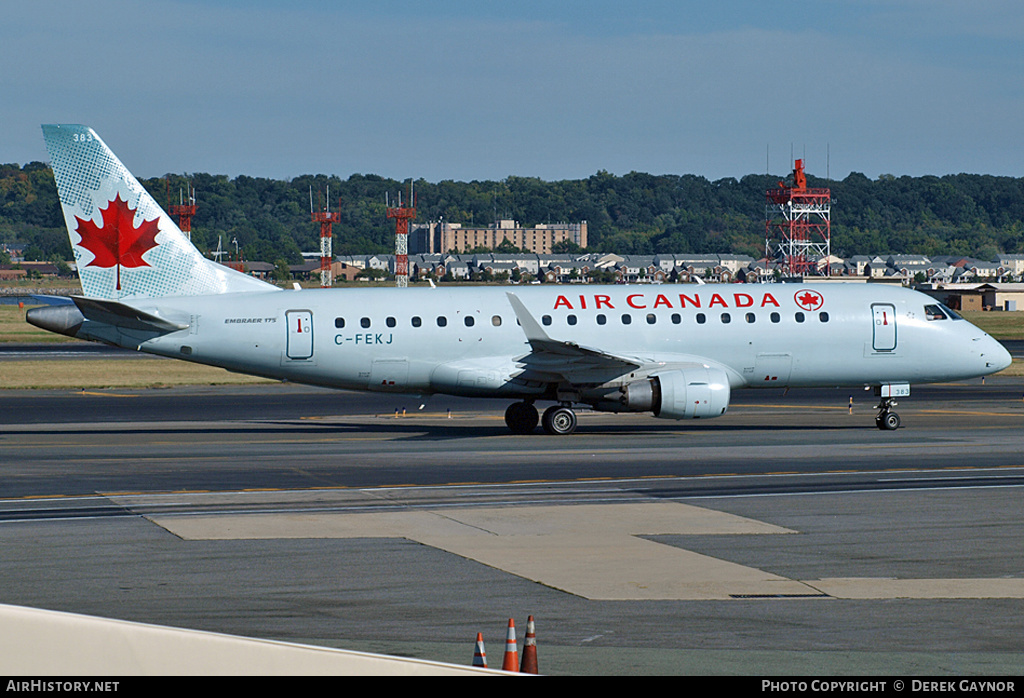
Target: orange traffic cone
[(479, 654), (511, 662), (529, 665)]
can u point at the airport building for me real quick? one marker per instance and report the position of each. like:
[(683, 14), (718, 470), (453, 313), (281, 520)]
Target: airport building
[(439, 237)]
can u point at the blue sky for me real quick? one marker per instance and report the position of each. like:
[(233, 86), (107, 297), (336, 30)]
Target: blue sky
[(475, 89)]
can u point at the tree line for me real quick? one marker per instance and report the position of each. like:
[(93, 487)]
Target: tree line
[(635, 213)]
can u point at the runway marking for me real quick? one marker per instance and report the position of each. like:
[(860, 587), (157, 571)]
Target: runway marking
[(595, 551), (498, 485), (92, 394), (974, 412), (866, 409), (750, 405)]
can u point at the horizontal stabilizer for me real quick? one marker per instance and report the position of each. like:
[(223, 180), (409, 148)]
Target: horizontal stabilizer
[(51, 300), (123, 316)]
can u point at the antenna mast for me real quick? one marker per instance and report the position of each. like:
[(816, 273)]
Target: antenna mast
[(402, 216), (326, 219), (798, 230), (184, 211)]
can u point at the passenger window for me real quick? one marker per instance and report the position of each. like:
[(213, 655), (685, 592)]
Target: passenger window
[(823, 317), (799, 317), (750, 317), (469, 321), (571, 319), (776, 317), (496, 320), (651, 318), (676, 318), (339, 322), (601, 319), (546, 319), (726, 318), (626, 318), (416, 321), (365, 322), (701, 319), (442, 321), (390, 322)]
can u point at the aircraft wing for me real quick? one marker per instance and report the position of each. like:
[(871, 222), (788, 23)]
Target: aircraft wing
[(568, 361)]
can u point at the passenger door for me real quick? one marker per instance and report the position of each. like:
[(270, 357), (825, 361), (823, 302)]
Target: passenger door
[(300, 335), (884, 333)]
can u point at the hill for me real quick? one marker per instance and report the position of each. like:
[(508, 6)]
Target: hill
[(636, 213)]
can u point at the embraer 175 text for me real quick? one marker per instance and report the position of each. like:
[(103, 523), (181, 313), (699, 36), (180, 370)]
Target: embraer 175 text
[(675, 351)]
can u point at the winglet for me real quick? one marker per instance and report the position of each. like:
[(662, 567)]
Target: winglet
[(543, 344), (534, 332)]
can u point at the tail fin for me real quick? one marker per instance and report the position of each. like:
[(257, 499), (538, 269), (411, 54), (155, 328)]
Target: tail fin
[(124, 243)]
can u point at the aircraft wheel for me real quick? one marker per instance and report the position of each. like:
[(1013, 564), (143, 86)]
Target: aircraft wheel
[(559, 420), (890, 421), (521, 417)]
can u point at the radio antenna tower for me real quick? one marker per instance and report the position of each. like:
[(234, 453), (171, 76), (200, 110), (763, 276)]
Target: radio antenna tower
[(402, 216), (326, 219), (798, 230), (184, 211)]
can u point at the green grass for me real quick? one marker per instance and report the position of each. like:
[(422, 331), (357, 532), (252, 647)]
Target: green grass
[(114, 373), (13, 328), (1000, 324)]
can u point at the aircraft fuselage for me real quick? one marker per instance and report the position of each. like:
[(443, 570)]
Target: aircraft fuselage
[(467, 341), (676, 351)]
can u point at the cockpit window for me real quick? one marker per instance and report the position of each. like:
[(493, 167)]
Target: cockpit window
[(938, 311), (953, 315)]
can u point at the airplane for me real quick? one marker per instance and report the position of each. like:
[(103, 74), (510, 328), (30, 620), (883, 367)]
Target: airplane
[(675, 351)]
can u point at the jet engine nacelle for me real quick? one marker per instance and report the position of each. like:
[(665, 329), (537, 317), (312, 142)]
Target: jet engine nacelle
[(697, 392), (693, 393)]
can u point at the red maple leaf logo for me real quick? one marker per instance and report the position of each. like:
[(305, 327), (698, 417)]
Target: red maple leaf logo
[(118, 243), (809, 300)]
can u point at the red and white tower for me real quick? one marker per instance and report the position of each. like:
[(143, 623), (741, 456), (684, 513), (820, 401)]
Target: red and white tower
[(402, 216), (185, 211), (798, 230), (326, 219)]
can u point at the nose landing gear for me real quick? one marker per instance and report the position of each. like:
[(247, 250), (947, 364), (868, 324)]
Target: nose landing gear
[(887, 420)]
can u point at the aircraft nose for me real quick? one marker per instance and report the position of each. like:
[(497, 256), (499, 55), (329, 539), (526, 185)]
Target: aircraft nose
[(994, 354)]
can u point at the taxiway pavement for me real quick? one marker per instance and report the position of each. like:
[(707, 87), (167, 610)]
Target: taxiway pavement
[(788, 537)]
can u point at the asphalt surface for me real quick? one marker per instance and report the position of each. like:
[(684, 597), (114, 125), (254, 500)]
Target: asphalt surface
[(85, 474)]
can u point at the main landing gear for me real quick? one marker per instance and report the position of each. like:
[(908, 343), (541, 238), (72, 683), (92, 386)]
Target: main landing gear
[(521, 417), (558, 420), (887, 420)]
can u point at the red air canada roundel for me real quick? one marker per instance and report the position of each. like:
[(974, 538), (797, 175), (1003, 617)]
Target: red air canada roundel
[(808, 299)]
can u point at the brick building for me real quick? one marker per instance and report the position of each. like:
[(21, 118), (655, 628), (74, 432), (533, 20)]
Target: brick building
[(442, 236)]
